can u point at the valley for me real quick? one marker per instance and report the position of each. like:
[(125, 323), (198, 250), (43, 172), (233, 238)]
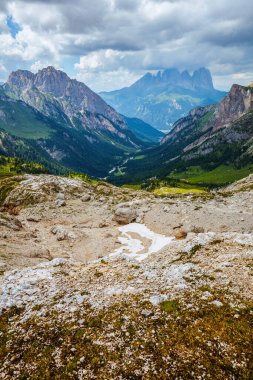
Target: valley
[(154, 275)]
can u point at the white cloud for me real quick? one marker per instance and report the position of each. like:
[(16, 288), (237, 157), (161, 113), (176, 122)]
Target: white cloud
[(39, 65), (119, 39), (107, 80)]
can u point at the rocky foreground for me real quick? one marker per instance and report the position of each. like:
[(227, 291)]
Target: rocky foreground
[(99, 282)]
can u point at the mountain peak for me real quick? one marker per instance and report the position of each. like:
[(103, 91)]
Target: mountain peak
[(202, 78), (21, 78), (72, 96)]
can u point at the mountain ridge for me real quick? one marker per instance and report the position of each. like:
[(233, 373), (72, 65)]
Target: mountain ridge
[(162, 98), (79, 131)]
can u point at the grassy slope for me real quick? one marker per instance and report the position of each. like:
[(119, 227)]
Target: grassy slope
[(221, 175), (23, 121)]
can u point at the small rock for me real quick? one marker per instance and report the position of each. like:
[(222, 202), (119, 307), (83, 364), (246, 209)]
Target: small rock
[(206, 295), (86, 198), (60, 203), (147, 313), (155, 299), (103, 224), (217, 303), (60, 196), (180, 234), (34, 218), (62, 234), (42, 253)]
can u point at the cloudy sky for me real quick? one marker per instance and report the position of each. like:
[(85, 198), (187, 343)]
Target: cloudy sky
[(109, 44)]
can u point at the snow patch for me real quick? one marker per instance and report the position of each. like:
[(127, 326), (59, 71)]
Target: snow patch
[(131, 248)]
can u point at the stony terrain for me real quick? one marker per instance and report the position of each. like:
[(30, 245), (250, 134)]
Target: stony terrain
[(100, 282)]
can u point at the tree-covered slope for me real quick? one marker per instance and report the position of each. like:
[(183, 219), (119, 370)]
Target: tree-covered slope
[(144, 131), (27, 133), (207, 138)]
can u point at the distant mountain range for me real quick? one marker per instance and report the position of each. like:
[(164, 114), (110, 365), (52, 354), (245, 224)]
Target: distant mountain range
[(163, 98), (205, 139), (61, 123)]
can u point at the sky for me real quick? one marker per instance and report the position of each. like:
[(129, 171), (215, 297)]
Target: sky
[(108, 44)]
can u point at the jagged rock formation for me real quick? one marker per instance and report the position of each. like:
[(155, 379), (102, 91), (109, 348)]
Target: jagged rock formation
[(163, 98)]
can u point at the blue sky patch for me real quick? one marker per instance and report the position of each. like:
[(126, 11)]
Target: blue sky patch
[(14, 28)]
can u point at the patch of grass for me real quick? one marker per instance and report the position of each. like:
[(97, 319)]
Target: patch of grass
[(194, 249), (169, 306), (133, 187), (140, 157), (219, 176), (177, 190)]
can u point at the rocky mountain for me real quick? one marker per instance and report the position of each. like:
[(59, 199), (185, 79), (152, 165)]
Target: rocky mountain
[(161, 99), (54, 94), (206, 138), (69, 124)]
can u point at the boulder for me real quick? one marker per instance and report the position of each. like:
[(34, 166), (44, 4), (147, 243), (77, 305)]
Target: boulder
[(62, 234), (125, 215)]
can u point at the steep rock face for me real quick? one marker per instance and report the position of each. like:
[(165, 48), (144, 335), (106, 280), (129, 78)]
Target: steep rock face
[(238, 101), (161, 99), (52, 92), (185, 124)]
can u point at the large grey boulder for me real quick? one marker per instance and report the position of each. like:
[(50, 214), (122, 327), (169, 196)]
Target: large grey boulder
[(125, 215)]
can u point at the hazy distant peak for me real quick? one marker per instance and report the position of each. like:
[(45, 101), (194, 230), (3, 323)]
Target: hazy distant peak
[(201, 78)]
